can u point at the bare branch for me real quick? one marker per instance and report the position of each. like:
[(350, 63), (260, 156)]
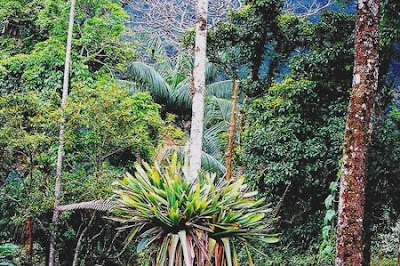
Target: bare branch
[(166, 21), (306, 10)]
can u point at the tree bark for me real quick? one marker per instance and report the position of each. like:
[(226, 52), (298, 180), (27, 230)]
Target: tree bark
[(358, 131), (60, 153), (199, 72), (232, 132), (28, 239)]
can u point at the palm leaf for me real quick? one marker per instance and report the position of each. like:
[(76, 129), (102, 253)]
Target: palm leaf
[(221, 89), (148, 79), (208, 161), (181, 95), (98, 205), (211, 140), (219, 109), (212, 72)]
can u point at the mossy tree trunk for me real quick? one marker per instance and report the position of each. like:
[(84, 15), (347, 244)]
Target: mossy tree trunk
[(349, 244), (232, 127)]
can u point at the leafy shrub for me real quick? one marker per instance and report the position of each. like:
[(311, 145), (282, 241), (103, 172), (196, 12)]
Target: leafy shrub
[(9, 254)]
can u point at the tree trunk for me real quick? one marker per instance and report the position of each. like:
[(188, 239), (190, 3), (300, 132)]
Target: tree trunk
[(28, 239), (75, 262), (398, 253), (196, 132), (232, 131), (60, 153), (357, 135)]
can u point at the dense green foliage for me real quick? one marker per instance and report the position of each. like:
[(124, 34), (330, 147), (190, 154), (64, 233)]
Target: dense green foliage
[(294, 127), (295, 114), (295, 132), (295, 77), (107, 128)]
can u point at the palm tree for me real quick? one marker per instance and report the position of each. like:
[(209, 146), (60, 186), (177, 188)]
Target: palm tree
[(170, 88)]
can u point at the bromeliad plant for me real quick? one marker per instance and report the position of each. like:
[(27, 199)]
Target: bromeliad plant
[(190, 224)]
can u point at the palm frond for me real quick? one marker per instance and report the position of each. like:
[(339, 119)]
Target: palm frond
[(221, 89), (211, 139), (212, 72), (181, 96), (217, 109), (149, 79), (209, 162), (98, 205)]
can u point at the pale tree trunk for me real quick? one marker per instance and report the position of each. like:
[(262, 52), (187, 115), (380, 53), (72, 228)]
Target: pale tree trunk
[(199, 73), (232, 131), (349, 244), (60, 153)]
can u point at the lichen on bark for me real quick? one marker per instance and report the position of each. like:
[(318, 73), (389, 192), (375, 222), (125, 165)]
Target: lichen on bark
[(349, 244)]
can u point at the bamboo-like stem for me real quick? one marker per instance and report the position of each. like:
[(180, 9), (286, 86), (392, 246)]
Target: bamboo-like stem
[(232, 131)]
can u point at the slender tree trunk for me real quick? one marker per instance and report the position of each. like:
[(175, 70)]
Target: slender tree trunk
[(60, 153), (232, 131), (99, 166), (349, 244), (398, 254), (28, 239), (28, 221), (196, 132), (75, 262)]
